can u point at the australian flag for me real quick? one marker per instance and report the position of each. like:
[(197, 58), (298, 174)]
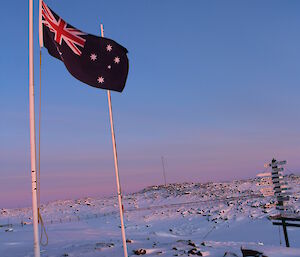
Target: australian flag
[(97, 61)]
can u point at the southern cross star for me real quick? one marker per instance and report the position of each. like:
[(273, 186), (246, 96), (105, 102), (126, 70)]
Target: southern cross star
[(93, 57), (100, 80), (117, 60), (108, 48)]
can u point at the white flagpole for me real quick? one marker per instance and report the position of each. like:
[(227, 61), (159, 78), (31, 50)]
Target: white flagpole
[(116, 166), (32, 136)]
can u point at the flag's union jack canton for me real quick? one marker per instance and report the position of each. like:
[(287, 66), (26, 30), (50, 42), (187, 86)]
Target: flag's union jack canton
[(97, 61), (62, 31)]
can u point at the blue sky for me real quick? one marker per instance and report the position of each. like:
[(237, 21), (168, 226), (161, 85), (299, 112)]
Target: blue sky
[(213, 86)]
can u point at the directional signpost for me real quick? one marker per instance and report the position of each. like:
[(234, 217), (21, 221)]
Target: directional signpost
[(273, 184), (279, 185)]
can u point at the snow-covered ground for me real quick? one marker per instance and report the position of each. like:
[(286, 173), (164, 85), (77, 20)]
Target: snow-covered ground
[(211, 219)]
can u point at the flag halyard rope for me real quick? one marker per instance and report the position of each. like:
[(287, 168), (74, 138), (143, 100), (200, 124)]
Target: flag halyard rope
[(40, 219)]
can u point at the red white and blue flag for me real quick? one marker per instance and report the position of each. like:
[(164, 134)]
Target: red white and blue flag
[(97, 61)]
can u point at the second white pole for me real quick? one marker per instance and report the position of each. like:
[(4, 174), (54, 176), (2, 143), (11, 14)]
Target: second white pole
[(116, 167)]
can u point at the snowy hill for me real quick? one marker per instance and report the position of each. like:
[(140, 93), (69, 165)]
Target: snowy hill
[(209, 219)]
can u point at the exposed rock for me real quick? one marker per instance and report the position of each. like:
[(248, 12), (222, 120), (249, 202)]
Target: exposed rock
[(194, 251), (191, 243), (139, 252), (250, 253)]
